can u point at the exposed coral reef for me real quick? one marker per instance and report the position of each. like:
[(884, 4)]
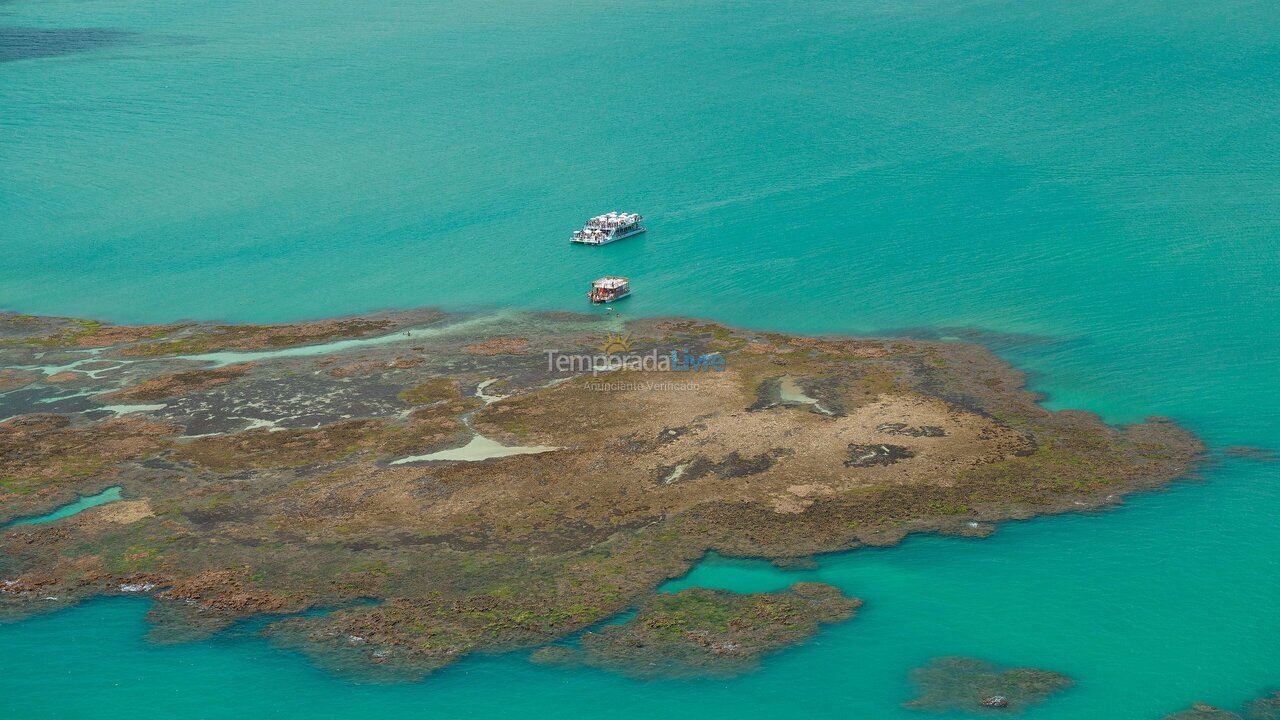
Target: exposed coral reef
[(272, 488)]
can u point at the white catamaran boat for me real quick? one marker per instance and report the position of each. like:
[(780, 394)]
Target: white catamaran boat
[(604, 229), (609, 288)]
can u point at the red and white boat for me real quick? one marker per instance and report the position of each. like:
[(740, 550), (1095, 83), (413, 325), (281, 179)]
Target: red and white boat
[(609, 288)]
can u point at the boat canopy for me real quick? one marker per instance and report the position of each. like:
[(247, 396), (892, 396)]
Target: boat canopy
[(610, 282), (614, 219)]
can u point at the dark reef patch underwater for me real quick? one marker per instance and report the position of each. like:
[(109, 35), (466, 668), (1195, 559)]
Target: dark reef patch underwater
[(977, 686), (28, 43)]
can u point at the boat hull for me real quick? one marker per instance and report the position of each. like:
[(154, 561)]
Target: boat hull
[(605, 301), (615, 238)]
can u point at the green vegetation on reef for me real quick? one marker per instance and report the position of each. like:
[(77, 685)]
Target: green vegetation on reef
[(431, 391), (70, 334), (45, 333), (43, 451)]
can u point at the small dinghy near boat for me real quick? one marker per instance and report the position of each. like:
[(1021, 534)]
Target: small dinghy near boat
[(609, 288)]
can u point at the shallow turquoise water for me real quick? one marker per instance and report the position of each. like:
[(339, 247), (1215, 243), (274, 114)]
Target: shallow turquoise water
[(1100, 177), (85, 502)]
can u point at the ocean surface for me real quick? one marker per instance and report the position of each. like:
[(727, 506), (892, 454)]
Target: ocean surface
[(1091, 187)]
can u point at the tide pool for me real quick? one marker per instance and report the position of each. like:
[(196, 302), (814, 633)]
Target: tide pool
[(477, 448), (1093, 185), (85, 502)]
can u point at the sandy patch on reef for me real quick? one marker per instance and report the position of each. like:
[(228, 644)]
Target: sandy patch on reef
[(498, 346), (125, 511), (65, 377)]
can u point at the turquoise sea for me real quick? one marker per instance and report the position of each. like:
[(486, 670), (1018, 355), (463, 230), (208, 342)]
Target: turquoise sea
[(1093, 185)]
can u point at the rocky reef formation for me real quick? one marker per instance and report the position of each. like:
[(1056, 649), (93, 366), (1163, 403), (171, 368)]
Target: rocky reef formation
[(1250, 452), (1264, 708), (700, 632), (176, 385), (14, 379), (187, 338), (975, 686), (1203, 711), (268, 481)]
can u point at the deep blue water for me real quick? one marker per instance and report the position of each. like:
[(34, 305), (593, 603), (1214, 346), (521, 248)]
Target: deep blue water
[(1095, 184)]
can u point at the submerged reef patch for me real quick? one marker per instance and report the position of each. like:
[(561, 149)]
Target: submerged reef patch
[(1263, 708), (972, 685), (1249, 452), (1203, 711), (28, 43), (699, 632)]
